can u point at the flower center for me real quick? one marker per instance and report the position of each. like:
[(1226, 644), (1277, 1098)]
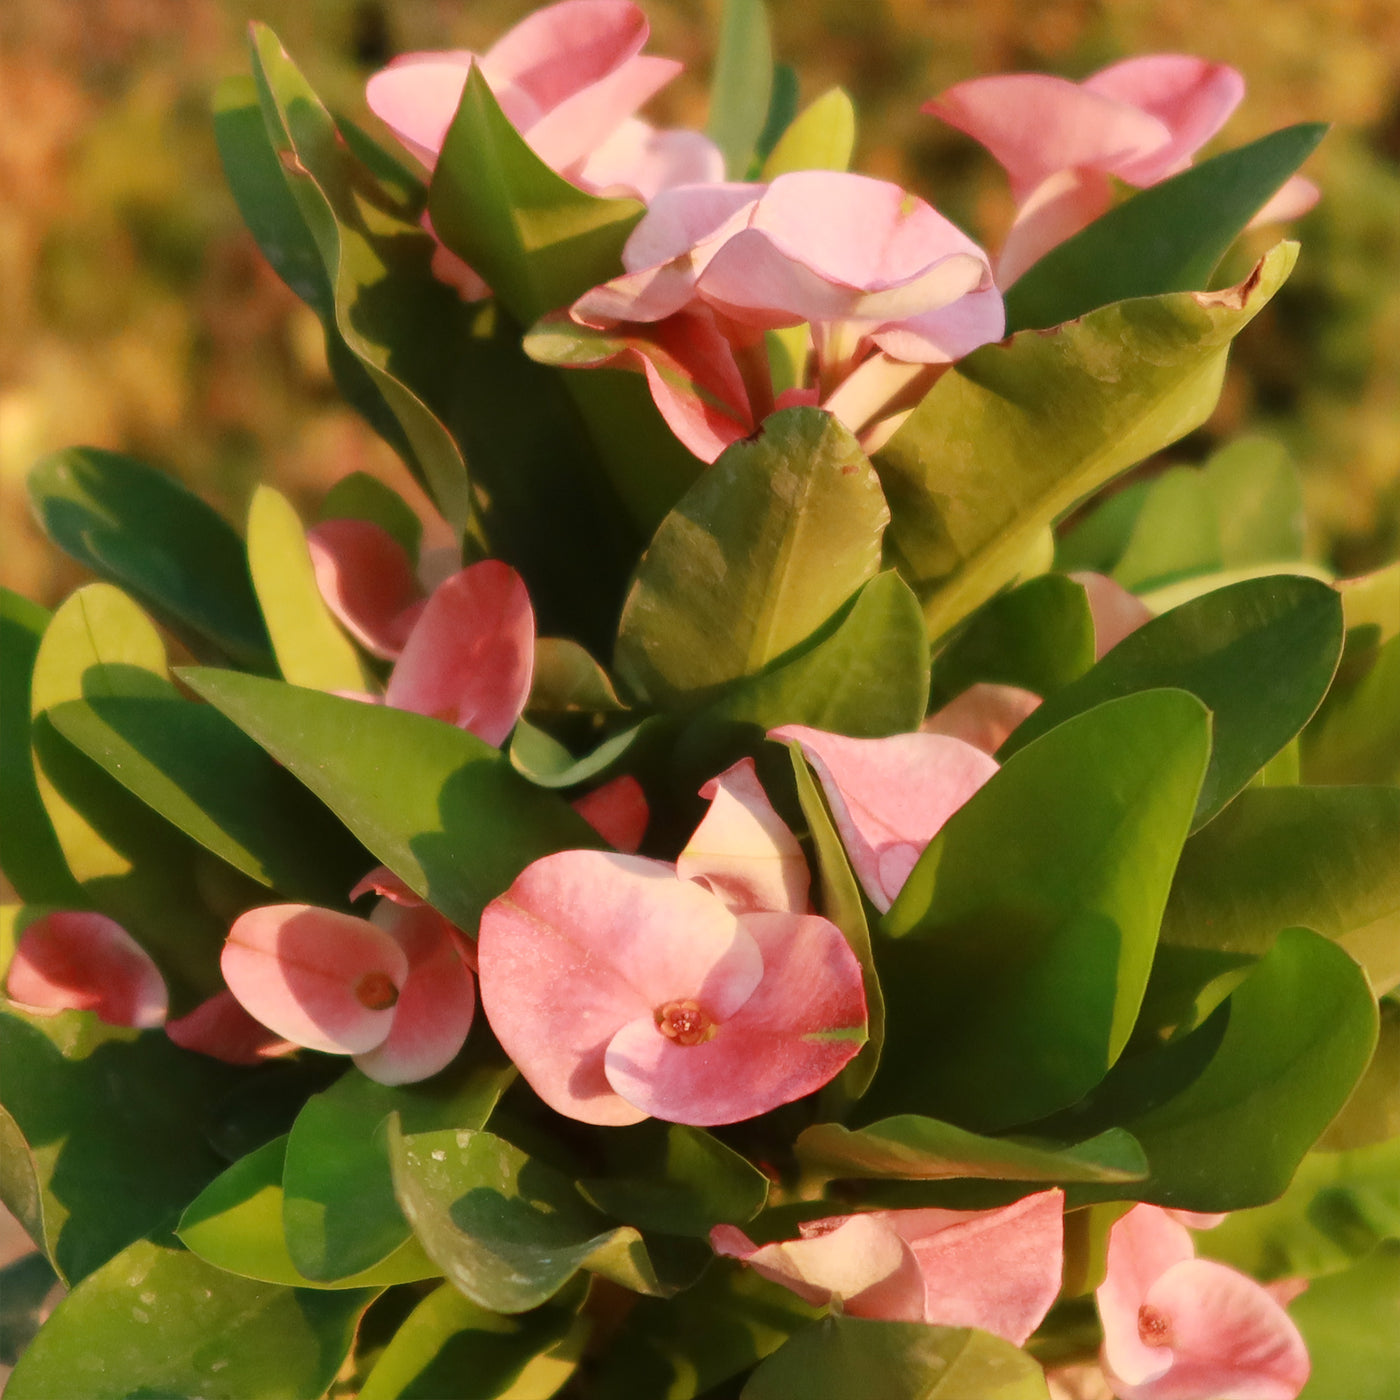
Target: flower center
[(684, 1022), (376, 991), (1154, 1327)]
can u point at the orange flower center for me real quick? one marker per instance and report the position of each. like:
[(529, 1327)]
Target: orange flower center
[(684, 1022), (376, 991), (1154, 1327)]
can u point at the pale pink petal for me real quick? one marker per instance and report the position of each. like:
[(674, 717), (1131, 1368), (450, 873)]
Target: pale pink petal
[(1225, 1337), (222, 1029), (1035, 124), (436, 1000), (876, 386), (316, 977), (470, 656), (857, 1259), (890, 797), (1190, 96), (584, 942), (1142, 1246), (680, 219), (367, 581), (1297, 195), (638, 159), (417, 96), (802, 1024), (76, 960), (383, 882), (984, 715), (1054, 210), (1115, 611), (994, 1269), (617, 811), (947, 333), (1198, 1220), (743, 850)]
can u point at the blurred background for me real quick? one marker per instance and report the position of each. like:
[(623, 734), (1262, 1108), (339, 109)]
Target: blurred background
[(136, 314)]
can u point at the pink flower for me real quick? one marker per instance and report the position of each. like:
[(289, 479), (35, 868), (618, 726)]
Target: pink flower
[(618, 811), (1181, 1328), (887, 286), (890, 797), (367, 581), (75, 960), (998, 1270), (395, 993), (622, 991), (1138, 121), (220, 1028)]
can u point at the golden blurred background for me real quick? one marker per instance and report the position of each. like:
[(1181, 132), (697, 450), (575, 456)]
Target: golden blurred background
[(136, 314)]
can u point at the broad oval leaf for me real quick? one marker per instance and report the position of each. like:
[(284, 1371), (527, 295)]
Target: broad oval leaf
[(1015, 434), (1021, 944), (1218, 647), (757, 555)]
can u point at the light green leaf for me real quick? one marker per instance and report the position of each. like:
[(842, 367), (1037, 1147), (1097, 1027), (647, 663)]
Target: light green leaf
[(439, 807), (567, 679), (161, 1322), (1351, 1324), (758, 555), (821, 138), (1357, 736), (1016, 434), (311, 649), (1372, 1113), (742, 84), (1167, 238), (1020, 946)]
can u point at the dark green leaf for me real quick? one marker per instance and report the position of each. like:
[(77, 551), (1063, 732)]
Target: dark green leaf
[(566, 678), (923, 1149), (504, 1228), (1017, 433), (24, 1284), (743, 81), (758, 555), (442, 809), (1217, 647), (1022, 941), (1167, 238), (857, 1358), (141, 529), (112, 1120), (339, 1211), (451, 1349), (161, 1323)]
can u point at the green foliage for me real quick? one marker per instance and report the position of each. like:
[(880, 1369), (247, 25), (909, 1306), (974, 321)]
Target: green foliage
[(743, 83), (821, 137), (1351, 1325)]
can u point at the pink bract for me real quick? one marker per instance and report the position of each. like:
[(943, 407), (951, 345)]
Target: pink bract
[(890, 797), (76, 960), (1181, 1328), (367, 581), (221, 1028), (617, 811), (395, 994), (622, 992), (998, 1270)]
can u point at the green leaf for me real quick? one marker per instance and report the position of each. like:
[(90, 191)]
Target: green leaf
[(195, 768), (111, 1120), (439, 807), (160, 1322), (1039, 636), (1357, 737), (785, 90), (360, 496), (923, 1149), (1320, 858), (1285, 627), (841, 902), (567, 679), (857, 1358), (1298, 1033), (674, 1179), (504, 1228), (1167, 238), (339, 1212), (538, 756), (537, 240), (235, 1224), (758, 555), (1351, 1324), (1017, 433), (451, 1349), (310, 648), (1021, 944), (141, 529), (1372, 1113), (25, 1283), (30, 854), (821, 138), (131, 864), (743, 81)]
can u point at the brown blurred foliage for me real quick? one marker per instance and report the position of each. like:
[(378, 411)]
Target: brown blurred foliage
[(136, 314)]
